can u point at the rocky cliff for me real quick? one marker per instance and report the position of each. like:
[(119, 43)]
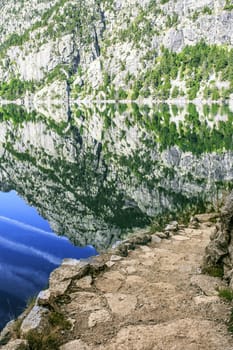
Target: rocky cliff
[(117, 45), (219, 251)]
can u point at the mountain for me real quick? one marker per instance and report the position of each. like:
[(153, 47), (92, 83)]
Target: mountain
[(117, 49), (94, 167)]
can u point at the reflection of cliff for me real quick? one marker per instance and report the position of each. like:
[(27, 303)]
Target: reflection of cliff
[(91, 190)]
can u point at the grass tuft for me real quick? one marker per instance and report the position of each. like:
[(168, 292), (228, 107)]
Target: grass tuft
[(214, 271), (226, 293)]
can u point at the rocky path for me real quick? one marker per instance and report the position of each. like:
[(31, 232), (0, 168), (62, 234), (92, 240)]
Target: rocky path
[(154, 299)]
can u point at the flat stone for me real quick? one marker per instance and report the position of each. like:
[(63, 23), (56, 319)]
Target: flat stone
[(99, 316), (134, 281), (203, 300), (61, 277), (34, 320), (75, 345), (121, 304), (207, 284), (172, 226), (148, 262), (180, 238), (15, 344), (84, 301), (131, 270), (116, 258), (156, 239), (59, 288), (145, 248), (111, 281), (43, 297), (84, 283), (110, 264)]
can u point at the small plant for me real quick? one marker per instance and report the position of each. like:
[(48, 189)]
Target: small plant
[(58, 319), (38, 341), (226, 293), (214, 271)]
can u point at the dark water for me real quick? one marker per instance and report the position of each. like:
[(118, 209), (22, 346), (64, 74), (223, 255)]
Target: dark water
[(29, 251)]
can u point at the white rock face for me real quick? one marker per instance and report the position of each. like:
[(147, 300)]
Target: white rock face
[(100, 47), (32, 63), (34, 320)]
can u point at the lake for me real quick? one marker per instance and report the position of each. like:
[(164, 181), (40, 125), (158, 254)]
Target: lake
[(29, 251), (95, 178)]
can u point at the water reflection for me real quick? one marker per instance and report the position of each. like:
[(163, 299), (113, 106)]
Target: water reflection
[(115, 167), (29, 251)]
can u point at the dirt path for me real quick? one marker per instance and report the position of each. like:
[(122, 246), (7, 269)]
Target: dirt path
[(155, 299)]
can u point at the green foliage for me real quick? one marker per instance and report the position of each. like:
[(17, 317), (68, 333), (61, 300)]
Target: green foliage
[(15, 88), (194, 64), (42, 341), (228, 6), (58, 319), (214, 271), (226, 293), (207, 10)]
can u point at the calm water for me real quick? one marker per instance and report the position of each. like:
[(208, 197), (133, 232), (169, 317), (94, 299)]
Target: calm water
[(29, 251), (97, 177)]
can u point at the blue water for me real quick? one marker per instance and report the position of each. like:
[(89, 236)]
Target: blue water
[(29, 251)]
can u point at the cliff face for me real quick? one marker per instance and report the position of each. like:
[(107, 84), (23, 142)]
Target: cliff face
[(92, 43)]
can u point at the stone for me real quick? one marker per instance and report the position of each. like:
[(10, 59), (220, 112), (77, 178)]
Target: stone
[(36, 319), (180, 238), (145, 249), (84, 283), (111, 281), (110, 264), (121, 304), (219, 252), (156, 239), (84, 301), (99, 316), (161, 235), (115, 258), (15, 344), (207, 284), (43, 297), (5, 332), (60, 278), (75, 345), (194, 222), (203, 300), (206, 217), (172, 227), (131, 270)]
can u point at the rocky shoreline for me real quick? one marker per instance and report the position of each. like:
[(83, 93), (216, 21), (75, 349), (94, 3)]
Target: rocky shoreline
[(89, 303)]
